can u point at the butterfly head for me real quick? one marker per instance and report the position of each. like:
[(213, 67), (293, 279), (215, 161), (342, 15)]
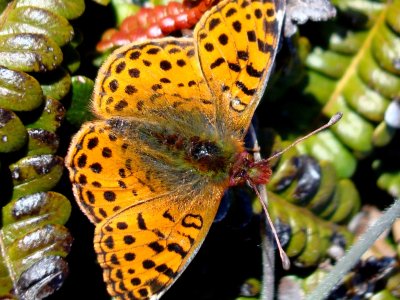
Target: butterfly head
[(246, 170)]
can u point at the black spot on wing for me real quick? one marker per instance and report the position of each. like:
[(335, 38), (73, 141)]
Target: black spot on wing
[(120, 105), (258, 13), (156, 247), (245, 89), (134, 72), (213, 23), (93, 142), (130, 89), (165, 65), (264, 47), (217, 62), (192, 221), (234, 67), (134, 55), (113, 85), (109, 196), (174, 247), (163, 268), (209, 47), (223, 39), (253, 72), (153, 51), (231, 12), (245, 4), (251, 36), (141, 222), (237, 26), (120, 67), (168, 216), (243, 55)]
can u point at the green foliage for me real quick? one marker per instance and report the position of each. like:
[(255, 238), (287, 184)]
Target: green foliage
[(33, 239), (366, 76), (33, 245), (79, 112)]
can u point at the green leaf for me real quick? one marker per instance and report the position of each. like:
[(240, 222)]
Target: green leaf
[(49, 239), (66, 8), (33, 246), (348, 42), (325, 146), (42, 142), (29, 52), (350, 126), (306, 182), (34, 174), (392, 17), (51, 117), (358, 74), (12, 132), (390, 181), (3, 4), (319, 86), (42, 278), (379, 79), (102, 2), (52, 207), (386, 48), (364, 100), (332, 64), (72, 59), (362, 13), (55, 84), (19, 91), (79, 112), (33, 240), (29, 19), (347, 201), (383, 134), (310, 236)]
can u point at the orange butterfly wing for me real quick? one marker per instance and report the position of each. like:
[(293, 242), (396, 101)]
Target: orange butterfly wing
[(141, 80), (106, 174), (144, 248), (150, 222), (152, 207), (237, 42)]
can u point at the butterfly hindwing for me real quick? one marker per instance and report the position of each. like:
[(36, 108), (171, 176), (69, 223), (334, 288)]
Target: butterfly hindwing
[(145, 247)]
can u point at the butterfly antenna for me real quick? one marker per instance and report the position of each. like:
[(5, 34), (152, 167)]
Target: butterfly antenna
[(284, 258), (331, 122)]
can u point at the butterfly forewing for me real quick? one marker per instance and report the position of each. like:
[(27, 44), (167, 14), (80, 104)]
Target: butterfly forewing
[(236, 43), (141, 79), (109, 172)]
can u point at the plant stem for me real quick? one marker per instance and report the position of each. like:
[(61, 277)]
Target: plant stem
[(352, 257)]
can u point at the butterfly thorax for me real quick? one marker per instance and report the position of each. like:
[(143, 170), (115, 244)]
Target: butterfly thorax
[(208, 156)]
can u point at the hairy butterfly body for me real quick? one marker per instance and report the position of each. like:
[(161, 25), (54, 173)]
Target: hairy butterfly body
[(173, 113)]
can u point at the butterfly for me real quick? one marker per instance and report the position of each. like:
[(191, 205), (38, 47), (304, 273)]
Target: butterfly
[(172, 116)]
